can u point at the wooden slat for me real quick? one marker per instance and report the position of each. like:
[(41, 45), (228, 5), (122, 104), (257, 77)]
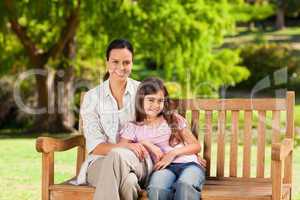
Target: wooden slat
[(63, 192), (247, 143), (240, 192), (238, 180), (261, 132), (275, 126), (221, 143), (290, 115), (234, 144), (288, 169), (81, 151), (207, 141), (215, 189), (195, 123), (80, 125), (80, 158), (230, 104)]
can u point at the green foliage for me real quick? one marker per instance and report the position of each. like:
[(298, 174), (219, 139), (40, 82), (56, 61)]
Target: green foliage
[(178, 36), (244, 12), (263, 60), (291, 7), (12, 55)]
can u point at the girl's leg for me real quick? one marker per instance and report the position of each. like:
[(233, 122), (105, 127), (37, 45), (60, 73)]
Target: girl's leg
[(160, 185), (189, 183)]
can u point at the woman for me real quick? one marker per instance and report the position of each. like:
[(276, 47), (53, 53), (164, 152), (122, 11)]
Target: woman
[(113, 168)]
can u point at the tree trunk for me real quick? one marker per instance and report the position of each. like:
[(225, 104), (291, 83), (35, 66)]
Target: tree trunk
[(41, 120), (54, 89), (280, 18), (55, 92), (63, 89)]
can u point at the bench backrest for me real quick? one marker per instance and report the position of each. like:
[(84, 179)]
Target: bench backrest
[(235, 132), (229, 126)]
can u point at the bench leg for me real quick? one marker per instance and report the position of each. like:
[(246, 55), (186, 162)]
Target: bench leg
[(47, 174), (276, 180)]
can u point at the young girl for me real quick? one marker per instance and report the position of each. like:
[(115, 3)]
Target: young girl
[(171, 145)]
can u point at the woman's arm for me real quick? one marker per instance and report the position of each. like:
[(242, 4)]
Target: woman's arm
[(137, 148), (105, 148)]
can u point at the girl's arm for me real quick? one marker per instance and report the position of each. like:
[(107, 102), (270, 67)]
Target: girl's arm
[(191, 147)]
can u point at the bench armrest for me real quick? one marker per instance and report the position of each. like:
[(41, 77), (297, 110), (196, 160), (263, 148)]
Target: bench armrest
[(48, 144), (281, 150)]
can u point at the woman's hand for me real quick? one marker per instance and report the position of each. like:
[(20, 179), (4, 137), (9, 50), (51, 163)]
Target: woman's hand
[(155, 150), (166, 160), (139, 150), (158, 154)]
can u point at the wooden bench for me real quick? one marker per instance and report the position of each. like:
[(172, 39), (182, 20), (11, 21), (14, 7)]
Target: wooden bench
[(225, 126)]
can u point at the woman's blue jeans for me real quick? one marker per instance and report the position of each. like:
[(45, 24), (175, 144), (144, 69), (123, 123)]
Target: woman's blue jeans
[(179, 181)]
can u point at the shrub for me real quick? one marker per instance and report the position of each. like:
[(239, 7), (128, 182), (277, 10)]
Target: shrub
[(264, 60)]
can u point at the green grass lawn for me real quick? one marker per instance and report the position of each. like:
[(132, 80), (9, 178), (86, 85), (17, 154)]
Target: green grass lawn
[(20, 169)]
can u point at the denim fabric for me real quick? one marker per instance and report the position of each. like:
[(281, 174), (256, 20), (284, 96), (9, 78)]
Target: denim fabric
[(178, 181)]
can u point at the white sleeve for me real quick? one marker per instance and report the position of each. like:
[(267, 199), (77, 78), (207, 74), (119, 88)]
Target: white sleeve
[(92, 128)]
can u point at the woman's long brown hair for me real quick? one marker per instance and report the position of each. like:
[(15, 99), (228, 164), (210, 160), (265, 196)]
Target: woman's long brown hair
[(149, 86)]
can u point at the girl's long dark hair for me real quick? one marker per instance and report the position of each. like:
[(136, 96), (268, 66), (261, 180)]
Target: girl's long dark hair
[(117, 44), (152, 85)]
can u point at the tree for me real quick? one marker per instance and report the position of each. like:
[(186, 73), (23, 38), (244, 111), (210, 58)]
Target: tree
[(178, 38), (250, 11), (46, 31), (285, 8)]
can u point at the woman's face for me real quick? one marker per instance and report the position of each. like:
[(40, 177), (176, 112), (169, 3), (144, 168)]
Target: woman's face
[(119, 64), (154, 104)]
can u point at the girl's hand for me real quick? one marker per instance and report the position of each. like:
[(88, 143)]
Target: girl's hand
[(165, 161), (201, 161), (139, 150)]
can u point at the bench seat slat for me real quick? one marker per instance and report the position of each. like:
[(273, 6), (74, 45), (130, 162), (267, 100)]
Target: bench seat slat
[(234, 188)]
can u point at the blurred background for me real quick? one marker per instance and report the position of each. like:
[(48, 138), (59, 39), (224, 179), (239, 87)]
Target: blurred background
[(52, 50)]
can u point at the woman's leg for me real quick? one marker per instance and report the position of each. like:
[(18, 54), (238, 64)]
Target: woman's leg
[(93, 171), (189, 183), (130, 188), (160, 186), (115, 176)]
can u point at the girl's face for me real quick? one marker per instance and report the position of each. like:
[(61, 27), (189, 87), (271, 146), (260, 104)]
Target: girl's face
[(154, 104), (119, 64)]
